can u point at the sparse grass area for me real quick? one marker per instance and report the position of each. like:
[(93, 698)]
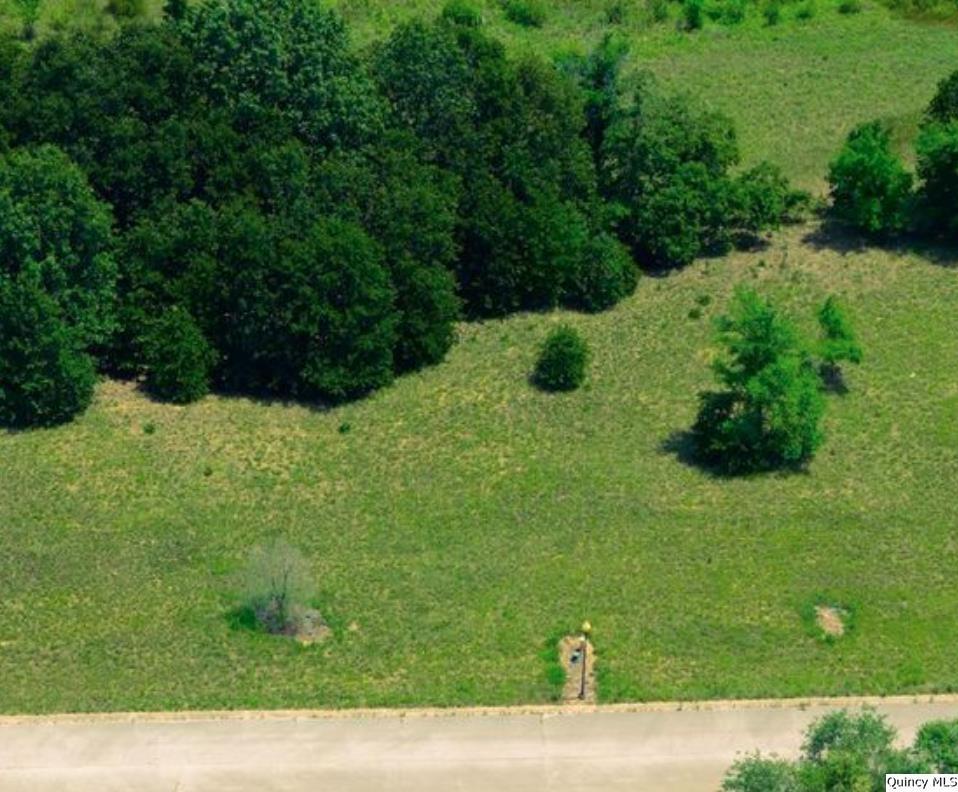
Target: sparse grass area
[(456, 518), (465, 515)]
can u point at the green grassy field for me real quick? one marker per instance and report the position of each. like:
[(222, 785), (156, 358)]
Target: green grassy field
[(465, 517)]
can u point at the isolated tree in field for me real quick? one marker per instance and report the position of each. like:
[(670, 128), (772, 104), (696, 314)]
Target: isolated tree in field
[(562, 361), (277, 585), (768, 415), (838, 343), (45, 377), (870, 187)]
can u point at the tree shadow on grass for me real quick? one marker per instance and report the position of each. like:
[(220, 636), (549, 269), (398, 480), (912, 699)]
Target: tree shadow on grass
[(833, 236), (681, 444), (833, 379)]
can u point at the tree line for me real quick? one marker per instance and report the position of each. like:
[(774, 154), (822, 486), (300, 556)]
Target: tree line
[(236, 198)]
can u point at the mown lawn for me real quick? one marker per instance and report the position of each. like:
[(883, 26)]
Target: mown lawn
[(464, 517)]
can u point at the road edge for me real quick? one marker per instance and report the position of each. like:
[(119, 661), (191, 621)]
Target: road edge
[(542, 710)]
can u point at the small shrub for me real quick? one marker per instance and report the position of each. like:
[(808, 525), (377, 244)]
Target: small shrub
[(462, 12), (693, 14), (806, 10), (562, 361), (772, 13), (555, 672), (149, 428), (850, 7), (657, 10), (838, 343), (528, 13), (615, 13), (178, 358), (732, 12), (276, 585), (760, 199), (870, 187)]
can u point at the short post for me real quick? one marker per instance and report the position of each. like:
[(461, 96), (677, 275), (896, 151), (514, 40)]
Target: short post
[(584, 648)]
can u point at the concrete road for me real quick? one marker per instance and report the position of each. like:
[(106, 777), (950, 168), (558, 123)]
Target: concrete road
[(651, 747)]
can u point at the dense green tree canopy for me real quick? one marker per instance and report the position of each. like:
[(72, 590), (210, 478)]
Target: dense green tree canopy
[(293, 216), (53, 227), (45, 377)]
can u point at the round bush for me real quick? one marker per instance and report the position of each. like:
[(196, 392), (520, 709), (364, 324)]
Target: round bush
[(607, 275), (562, 361), (869, 185), (178, 358), (45, 378)]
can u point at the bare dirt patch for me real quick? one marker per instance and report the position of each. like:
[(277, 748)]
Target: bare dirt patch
[(309, 627), (830, 620), (571, 656)]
